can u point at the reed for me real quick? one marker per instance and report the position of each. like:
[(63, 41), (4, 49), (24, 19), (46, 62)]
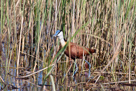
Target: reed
[(30, 52)]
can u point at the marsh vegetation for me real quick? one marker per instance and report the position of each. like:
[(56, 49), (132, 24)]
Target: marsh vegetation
[(30, 58)]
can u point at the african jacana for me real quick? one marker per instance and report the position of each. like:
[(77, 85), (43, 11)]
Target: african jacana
[(73, 50)]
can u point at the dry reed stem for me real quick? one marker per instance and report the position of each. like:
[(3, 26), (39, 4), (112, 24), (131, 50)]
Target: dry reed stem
[(114, 56), (19, 48), (127, 81), (2, 79), (35, 72), (98, 38)]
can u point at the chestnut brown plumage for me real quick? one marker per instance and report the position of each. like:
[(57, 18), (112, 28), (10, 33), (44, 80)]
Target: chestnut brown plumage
[(75, 51)]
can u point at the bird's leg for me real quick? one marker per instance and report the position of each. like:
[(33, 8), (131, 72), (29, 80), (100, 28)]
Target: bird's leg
[(89, 68), (75, 69)]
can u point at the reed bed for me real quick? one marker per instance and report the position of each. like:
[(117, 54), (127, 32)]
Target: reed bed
[(30, 58)]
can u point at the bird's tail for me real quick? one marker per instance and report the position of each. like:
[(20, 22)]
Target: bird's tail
[(92, 50)]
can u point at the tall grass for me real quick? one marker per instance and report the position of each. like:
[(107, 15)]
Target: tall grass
[(27, 27)]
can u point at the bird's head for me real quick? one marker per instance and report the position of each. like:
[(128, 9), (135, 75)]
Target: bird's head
[(58, 33)]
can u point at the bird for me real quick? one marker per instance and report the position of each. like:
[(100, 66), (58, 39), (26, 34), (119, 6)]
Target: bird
[(74, 51)]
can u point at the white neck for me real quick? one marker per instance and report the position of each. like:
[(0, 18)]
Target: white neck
[(62, 41)]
